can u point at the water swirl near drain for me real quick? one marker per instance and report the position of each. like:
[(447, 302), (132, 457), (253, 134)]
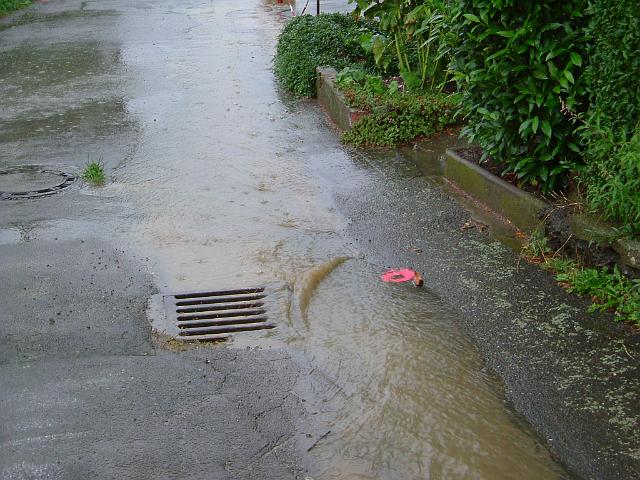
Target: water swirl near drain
[(32, 181)]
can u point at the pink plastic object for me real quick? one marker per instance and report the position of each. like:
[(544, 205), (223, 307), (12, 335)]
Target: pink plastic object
[(398, 276)]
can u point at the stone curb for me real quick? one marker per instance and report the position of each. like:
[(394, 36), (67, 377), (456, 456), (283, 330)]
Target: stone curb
[(333, 100), (521, 208), (525, 211)]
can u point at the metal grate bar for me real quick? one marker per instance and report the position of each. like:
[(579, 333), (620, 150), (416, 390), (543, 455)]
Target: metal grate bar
[(220, 293), (226, 329), (221, 306), (214, 299), (206, 337), (223, 314), (221, 321)]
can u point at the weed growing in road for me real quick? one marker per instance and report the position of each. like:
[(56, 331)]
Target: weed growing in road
[(558, 264), (608, 288), (94, 173), (537, 249)]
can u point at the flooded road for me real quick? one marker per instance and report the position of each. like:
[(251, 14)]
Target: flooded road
[(222, 180), (234, 198), (407, 394)]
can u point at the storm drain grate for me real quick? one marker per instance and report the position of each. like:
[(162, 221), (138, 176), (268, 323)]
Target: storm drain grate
[(214, 315), (32, 181)]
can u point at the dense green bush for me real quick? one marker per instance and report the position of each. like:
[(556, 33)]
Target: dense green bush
[(7, 6), (307, 42), (611, 178), (613, 74), (518, 64), (396, 115), (403, 119), (612, 132)]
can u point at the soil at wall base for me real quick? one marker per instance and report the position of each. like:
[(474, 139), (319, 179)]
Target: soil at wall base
[(556, 218)]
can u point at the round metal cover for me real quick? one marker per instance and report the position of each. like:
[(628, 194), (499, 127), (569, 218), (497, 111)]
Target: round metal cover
[(32, 181)]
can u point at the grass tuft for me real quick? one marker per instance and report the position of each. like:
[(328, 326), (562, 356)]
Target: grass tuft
[(608, 288), (94, 173)]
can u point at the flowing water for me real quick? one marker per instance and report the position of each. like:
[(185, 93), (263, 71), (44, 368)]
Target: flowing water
[(231, 185), (409, 395)]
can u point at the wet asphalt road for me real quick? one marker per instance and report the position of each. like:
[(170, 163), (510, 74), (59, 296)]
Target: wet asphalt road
[(86, 390), (176, 99)]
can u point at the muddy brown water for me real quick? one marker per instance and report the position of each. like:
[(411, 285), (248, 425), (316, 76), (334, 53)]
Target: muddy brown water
[(409, 393), (229, 179)]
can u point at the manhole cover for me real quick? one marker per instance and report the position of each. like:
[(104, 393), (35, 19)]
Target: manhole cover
[(32, 182), (213, 315)]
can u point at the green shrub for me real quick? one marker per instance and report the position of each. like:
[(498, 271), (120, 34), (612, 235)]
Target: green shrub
[(614, 63), (410, 43), (519, 66), (611, 135), (611, 178), (307, 42), (7, 6), (396, 116)]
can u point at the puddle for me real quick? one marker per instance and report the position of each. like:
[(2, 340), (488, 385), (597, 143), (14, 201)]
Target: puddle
[(34, 68), (63, 101), (31, 16), (405, 392), (102, 118)]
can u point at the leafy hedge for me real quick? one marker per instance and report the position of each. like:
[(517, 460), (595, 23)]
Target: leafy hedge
[(7, 6), (613, 73), (550, 89), (518, 65), (612, 176), (330, 40), (612, 134)]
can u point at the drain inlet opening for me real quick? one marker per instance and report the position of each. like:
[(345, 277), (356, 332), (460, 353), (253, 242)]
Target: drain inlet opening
[(214, 315)]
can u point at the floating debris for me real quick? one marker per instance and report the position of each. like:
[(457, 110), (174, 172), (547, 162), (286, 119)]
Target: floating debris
[(403, 275), (473, 224)]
